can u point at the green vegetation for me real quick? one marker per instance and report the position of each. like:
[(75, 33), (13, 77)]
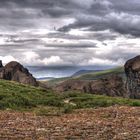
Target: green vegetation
[(96, 75), (89, 101), (56, 81), (15, 96), (88, 76)]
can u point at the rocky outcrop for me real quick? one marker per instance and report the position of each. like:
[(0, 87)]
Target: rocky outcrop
[(16, 72), (132, 70), (111, 85), (1, 64)]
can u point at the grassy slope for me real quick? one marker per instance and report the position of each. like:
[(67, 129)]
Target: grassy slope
[(56, 81), (100, 74), (88, 76), (14, 95), (20, 97)]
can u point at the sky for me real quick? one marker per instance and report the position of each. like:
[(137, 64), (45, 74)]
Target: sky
[(69, 32)]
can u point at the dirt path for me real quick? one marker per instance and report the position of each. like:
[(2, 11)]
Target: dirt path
[(112, 123), (67, 101)]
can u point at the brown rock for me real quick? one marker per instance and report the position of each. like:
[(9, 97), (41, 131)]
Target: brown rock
[(1, 64), (132, 70), (111, 85), (16, 72), (1, 68), (69, 85)]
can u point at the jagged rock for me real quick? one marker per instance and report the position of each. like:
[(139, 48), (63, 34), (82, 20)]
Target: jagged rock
[(16, 72), (1, 68), (132, 70), (1, 64), (69, 85), (111, 85)]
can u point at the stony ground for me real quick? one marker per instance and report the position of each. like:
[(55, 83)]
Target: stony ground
[(112, 123)]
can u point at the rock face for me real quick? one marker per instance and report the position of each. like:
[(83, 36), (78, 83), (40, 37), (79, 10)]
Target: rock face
[(110, 85), (132, 70), (16, 72), (1, 64)]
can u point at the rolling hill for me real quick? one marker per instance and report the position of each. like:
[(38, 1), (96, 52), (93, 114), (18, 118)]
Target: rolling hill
[(87, 75), (81, 72), (27, 112), (17, 96), (100, 74)]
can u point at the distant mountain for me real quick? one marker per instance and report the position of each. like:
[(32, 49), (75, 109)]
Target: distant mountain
[(89, 75), (81, 72), (61, 71), (101, 74), (45, 78)]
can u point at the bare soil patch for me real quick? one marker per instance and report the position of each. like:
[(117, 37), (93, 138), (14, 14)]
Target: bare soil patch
[(111, 123)]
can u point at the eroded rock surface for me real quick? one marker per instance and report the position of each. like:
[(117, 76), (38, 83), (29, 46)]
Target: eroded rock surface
[(132, 70), (16, 72), (111, 85), (1, 64)]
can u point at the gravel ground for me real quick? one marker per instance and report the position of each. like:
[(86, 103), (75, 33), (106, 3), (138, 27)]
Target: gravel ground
[(112, 123)]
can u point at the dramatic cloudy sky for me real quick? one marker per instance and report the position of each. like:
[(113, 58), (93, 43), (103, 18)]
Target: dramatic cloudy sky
[(69, 32)]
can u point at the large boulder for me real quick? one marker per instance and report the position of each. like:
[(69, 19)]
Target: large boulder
[(1, 64), (111, 85), (132, 70), (1, 68), (16, 72)]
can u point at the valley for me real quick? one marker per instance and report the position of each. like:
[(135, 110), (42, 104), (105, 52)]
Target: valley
[(90, 105)]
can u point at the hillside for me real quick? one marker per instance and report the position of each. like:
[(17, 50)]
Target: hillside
[(17, 96), (100, 74), (81, 72), (35, 113), (88, 75)]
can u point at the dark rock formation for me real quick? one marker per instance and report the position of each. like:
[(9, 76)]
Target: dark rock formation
[(132, 70), (1, 64), (16, 72), (111, 85), (1, 68)]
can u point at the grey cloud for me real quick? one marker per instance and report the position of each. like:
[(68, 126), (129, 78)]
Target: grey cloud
[(24, 14), (121, 23), (127, 6), (100, 17), (73, 45), (92, 17)]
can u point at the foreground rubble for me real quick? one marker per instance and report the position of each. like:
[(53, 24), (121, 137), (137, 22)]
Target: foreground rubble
[(112, 123)]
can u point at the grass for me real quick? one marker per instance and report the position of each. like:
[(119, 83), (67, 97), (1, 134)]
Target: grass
[(88, 76), (56, 81), (15, 96), (96, 75), (90, 101)]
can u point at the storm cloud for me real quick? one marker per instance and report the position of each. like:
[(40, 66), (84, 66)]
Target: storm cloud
[(69, 32)]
